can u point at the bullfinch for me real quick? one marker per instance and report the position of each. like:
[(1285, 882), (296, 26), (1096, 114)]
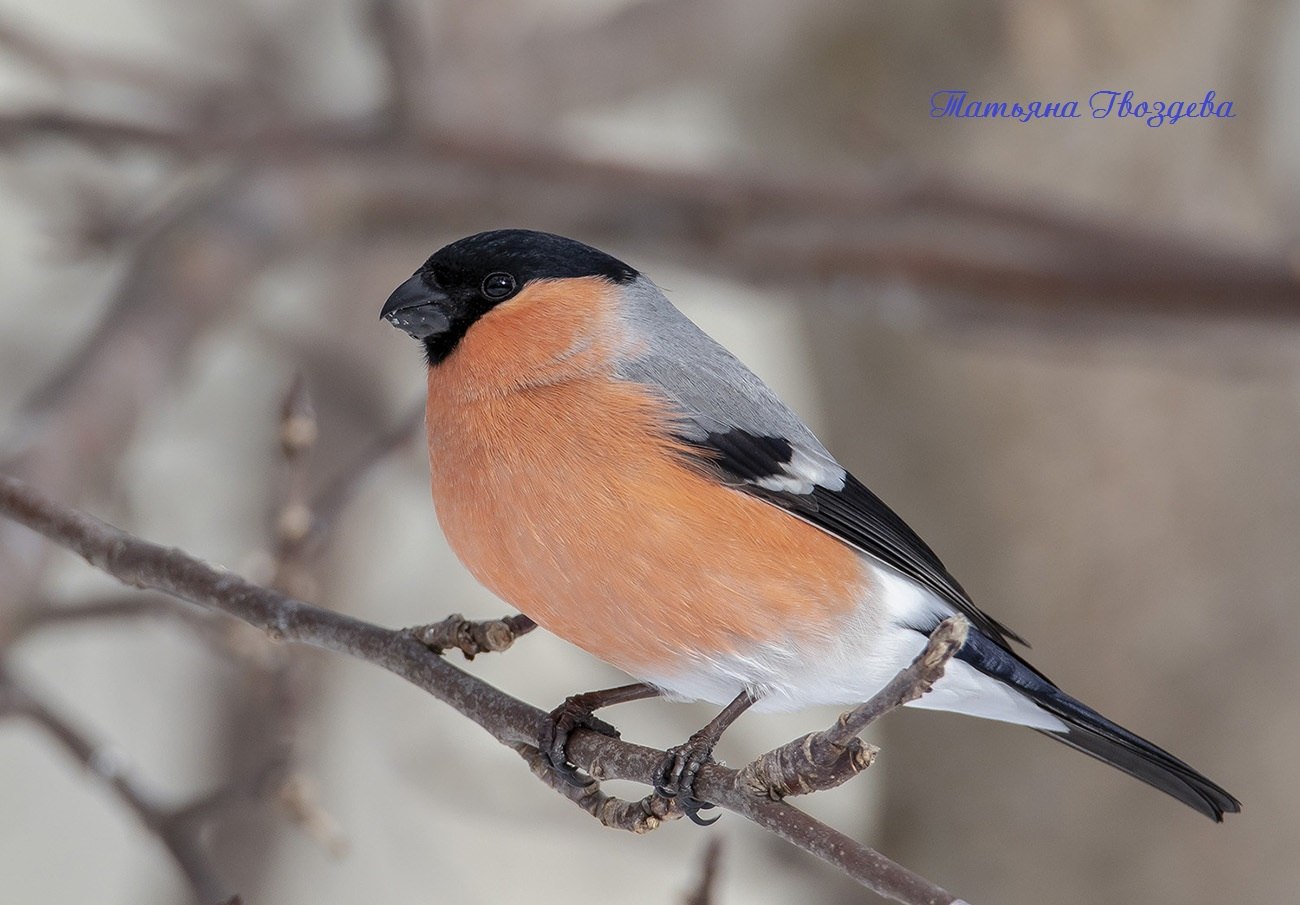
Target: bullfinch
[(602, 464)]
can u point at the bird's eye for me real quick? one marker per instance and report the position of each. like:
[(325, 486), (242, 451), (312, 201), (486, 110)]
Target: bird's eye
[(497, 286)]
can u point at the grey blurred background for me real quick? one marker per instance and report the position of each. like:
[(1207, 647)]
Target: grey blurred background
[(1066, 351)]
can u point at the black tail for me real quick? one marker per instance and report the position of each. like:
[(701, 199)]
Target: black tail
[(1090, 732)]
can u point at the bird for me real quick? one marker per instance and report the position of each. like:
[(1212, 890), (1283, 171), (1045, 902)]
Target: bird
[(606, 467)]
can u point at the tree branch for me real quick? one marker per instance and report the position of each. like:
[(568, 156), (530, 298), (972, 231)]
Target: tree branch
[(183, 273), (298, 433), (178, 836), (404, 59), (512, 722), (228, 637), (756, 226), (472, 638), (703, 892), (335, 496), (826, 759)]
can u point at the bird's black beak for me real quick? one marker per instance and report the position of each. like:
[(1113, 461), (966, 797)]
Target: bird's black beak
[(418, 308)]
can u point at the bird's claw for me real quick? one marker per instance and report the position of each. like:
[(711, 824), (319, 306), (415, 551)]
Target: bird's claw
[(553, 736), (676, 778)]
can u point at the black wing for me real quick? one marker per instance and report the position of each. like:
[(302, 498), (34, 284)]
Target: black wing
[(768, 467)]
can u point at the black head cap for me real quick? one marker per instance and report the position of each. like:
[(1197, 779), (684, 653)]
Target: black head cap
[(467, 278)]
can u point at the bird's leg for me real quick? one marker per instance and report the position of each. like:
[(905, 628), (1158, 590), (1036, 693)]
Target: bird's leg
[(575, 713), (678, 770)]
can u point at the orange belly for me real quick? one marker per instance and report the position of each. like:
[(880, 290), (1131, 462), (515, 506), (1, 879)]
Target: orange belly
[(570, 502)]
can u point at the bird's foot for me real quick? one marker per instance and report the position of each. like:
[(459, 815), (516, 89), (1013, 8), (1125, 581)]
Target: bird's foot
[(677, 772), (553, 734)]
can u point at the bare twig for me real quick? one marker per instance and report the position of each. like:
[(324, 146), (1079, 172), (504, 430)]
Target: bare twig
[(334, 498), (915, 681), (73, 429), (285, 672), (127, 606), (268, 776), (470, 637), (702, 894), (297, 796), (179, 838), (298, 433), (638, 817), (143, 564), (226, 636), (826, 759), (404, 63)]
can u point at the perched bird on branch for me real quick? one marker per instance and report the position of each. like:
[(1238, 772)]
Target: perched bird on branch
[(602, 464)]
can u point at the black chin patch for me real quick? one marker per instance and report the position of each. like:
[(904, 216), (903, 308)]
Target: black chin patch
[(461, 314)]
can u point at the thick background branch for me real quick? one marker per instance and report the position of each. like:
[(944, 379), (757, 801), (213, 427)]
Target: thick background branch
[(758, 227)]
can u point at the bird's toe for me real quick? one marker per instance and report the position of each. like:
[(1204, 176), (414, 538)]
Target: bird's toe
[(554, 731)]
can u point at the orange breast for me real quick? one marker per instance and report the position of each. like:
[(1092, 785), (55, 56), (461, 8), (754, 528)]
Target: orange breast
[(568, 499)]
